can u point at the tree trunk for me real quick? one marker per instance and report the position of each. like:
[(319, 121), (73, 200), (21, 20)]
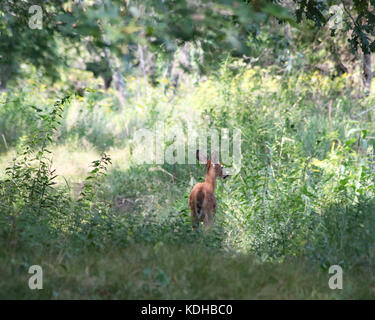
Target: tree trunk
[(5, 75), (115, 67), (367, 73), (118, 80), (181, 64), (141, 49)]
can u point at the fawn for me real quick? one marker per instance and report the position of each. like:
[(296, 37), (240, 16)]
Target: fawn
[(202, 200)]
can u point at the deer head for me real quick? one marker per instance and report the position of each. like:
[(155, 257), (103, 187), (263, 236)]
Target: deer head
[(212, 165)]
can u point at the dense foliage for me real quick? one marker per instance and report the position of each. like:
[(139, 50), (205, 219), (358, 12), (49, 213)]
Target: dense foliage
[(74, 200)]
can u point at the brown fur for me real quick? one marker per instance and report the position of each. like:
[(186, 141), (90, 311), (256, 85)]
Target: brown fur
[(202, 200)]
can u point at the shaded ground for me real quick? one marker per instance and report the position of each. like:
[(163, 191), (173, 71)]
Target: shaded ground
[(171, 272)]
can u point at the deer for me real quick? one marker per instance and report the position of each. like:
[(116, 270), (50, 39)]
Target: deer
[(202, 200)]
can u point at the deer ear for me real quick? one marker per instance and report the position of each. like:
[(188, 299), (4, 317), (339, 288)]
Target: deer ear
[(200, 157), (214, 157), (208, 164)]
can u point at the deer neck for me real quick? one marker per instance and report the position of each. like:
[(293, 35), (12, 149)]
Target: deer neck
[(211, 179)]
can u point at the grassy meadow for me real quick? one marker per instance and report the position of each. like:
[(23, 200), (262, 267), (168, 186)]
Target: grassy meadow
[(103, 227)]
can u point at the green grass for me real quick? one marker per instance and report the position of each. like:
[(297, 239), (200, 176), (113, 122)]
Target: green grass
[(185, 271)]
